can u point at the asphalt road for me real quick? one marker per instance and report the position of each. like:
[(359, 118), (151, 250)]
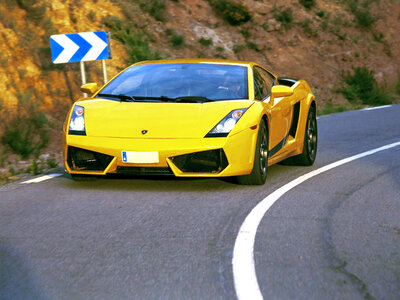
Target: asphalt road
[(335, 236)]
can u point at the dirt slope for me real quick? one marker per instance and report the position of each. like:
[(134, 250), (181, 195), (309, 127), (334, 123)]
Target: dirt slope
[(317, 45)]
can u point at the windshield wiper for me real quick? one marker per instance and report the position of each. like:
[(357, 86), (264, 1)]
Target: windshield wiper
[(188, 99), (128, 98), (194, 99), (121, 97)]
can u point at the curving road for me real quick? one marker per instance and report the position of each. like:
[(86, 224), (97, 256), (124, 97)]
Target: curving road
[(335, 236)]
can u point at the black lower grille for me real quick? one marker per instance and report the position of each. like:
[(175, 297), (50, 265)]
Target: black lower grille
[(210, 161), (144, 170), (84, 160)]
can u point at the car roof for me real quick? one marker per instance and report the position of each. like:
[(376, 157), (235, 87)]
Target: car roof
[(197, 61)]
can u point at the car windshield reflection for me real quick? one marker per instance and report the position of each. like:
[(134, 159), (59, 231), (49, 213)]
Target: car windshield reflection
[(179, 82)]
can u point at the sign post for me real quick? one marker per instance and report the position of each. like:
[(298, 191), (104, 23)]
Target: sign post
[(81, 47), (83, 75), (103, 61)]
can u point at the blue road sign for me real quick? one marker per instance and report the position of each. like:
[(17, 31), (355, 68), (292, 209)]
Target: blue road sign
[(76, 47)]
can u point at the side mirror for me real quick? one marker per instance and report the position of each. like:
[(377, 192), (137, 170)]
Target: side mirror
[(89, 88), (281, 91)]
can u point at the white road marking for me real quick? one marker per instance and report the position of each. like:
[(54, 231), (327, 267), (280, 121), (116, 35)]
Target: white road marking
[(41, 178), (377, 107), (244, 273)]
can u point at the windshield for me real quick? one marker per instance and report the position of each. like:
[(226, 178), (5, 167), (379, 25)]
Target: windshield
[(183, 82)]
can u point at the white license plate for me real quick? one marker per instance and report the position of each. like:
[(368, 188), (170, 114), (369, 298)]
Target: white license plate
[(140, 157)]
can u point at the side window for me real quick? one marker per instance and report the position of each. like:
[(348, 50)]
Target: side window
[(260, 86), (268, 79)]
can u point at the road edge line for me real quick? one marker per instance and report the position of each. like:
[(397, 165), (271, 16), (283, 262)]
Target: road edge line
[(41, 178), (244, 273)]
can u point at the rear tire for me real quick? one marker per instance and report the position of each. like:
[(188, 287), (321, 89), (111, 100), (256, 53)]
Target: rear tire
[(310, 143), (258, 175)]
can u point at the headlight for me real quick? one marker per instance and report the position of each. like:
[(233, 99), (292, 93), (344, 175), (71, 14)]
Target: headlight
[(77, 122), (223, 128)]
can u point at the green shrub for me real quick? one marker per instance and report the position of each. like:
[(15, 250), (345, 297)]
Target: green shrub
[(253, 46), (33, 168), (329, 108), (43, 58), (92, 16), (177, 40), (34, 10), (3, 158), (238, 48), (51, 163), (362, 13), (206, 42), (25, 132), (364, 18), (325, 20), (397, 86), (307, 3), (308, 30), (155, 8), (12, 171), (136, 43), (283, 15), (361, 85), (245, 33), (232, 12), (378, 36)]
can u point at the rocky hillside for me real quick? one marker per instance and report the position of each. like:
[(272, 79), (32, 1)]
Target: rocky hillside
[(311, 39)]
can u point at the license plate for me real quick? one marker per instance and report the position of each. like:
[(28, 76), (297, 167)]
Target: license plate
[(140, 157)]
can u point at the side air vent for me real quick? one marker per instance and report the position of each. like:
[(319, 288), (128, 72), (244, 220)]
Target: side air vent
[(295, 119)]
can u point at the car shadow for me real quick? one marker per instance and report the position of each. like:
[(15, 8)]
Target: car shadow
[(17, 279), (172, 183)]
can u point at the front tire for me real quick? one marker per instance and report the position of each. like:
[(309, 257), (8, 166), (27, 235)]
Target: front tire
[(258, 175), (310, 143)]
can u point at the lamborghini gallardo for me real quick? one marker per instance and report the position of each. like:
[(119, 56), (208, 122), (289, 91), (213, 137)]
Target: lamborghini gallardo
[(192, 117)]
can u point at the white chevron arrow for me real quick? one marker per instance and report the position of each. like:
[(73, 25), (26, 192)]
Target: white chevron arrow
[(69, 48), (98, 45)]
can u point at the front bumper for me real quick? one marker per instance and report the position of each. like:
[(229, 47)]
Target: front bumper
[(207, 157)]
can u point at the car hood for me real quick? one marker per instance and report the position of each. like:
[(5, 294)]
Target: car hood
[(107, 118)]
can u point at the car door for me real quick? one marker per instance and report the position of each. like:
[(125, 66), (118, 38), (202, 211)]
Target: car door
[(281, 111)]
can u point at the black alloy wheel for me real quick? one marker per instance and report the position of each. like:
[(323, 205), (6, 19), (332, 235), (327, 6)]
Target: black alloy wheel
[(311, 137), (258, 175)]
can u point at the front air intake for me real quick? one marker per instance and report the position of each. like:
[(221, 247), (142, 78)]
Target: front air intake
[(144, 170), (84, 160), (210, 161)]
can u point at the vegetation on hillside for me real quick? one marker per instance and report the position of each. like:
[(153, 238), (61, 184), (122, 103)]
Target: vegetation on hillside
[(232, 12), (135, 41), (26, 132), (361, 86)]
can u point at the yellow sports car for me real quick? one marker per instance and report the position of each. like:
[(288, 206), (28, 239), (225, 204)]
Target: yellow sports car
[(192, 117)]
